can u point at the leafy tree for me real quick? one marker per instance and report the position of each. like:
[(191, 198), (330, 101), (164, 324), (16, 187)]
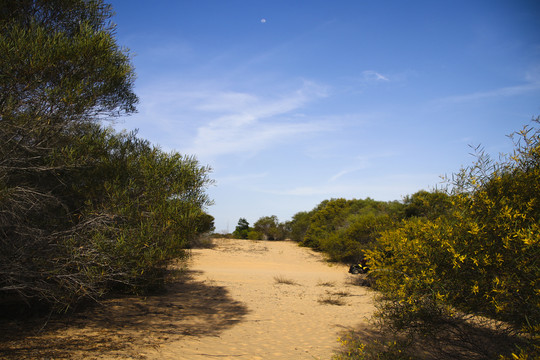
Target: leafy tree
[(61, 70), (242, 229), (299, 225), (269, 227), (82, 210)]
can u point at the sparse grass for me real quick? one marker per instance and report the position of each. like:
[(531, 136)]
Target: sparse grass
[(334, 298), (280, 279), (331, 299), (257, 248), (326, 283)]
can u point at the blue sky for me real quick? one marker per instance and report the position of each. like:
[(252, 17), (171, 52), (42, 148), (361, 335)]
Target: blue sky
[(292, 102)]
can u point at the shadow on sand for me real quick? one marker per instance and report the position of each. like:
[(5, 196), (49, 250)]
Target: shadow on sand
[(124, 327)]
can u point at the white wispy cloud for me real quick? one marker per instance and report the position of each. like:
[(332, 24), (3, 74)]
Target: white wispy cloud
[(235, 135), (248, 123), (495, 93), (363, 165), (209, 120), (368, 79), (371, 75), (343, 172), (360, 162)]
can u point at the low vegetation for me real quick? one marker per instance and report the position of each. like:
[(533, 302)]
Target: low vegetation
[(280, 279), (331, 299), (326, 283)]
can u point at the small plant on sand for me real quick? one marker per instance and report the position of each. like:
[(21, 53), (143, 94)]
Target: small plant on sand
[(334, 298), (280, 279), (331, 299), (326, 283)]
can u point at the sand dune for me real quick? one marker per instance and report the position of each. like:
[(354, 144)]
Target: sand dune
[(297, 304), (239, 300)]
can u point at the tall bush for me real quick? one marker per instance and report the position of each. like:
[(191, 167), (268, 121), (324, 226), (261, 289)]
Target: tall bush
[(83, 210), (480, 259)]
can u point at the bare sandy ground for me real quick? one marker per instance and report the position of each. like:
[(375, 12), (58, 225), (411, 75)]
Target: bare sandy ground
[(296, 303), (240, 300)]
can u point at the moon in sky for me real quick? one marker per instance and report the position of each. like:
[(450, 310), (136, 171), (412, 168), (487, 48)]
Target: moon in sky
[(263, 20)]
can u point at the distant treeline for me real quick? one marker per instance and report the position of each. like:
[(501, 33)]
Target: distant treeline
[(345, 229), (452, 268)]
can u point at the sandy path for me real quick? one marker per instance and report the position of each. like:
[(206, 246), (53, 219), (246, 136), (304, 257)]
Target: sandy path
[(283, 321), (229, 305)]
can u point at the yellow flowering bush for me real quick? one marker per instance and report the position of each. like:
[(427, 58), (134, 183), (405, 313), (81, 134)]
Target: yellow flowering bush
[(481, 258)]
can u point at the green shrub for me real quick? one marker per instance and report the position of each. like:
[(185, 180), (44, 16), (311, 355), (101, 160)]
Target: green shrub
[(255, 235), (479, 258), (344, 229), (348, 244)]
